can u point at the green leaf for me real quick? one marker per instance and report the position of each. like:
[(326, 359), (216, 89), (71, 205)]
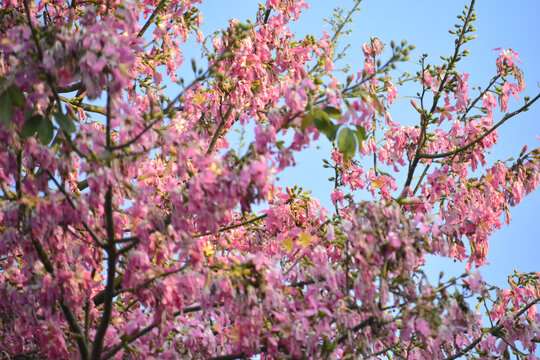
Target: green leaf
[(333, 112), (332, 132), (45, 131), (360, 135), (324, 125), (17, 97), (379, 106), (31, 126), (6, 109), (65, 122), (321, 120), (307, 121), (347, 143)]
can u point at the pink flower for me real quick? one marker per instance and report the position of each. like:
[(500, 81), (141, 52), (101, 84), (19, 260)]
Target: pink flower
[(337, 157), (377, 46), (506, 59), (422, 327), (367, 50), (427, 80), (337, 196), (489, 101), (294, 101), (474, 282), (391, 92), (131, 328)]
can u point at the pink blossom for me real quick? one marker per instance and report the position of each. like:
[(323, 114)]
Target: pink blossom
[(391, 91), (144, 227), (294, 100), (337, 196), (506, 59)]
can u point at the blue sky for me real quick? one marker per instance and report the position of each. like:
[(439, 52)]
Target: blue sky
[(425, 23)]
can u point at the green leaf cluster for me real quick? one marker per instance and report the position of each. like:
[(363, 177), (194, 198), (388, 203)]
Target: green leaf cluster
[(347, 140), (321, 120), (38, 123), (9, 99)]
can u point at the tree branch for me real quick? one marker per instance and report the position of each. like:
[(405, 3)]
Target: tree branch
[(217, 134), (451, 65), (230, 227), (111, 252), (362, 325), (151, 18), (70, 317), (480, 138), (70, 87), (144, 331), (229, 357), (493, 331), (111, 273), (86, 107)]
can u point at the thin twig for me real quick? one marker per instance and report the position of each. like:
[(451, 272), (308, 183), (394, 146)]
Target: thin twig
[(234, 226), (86, 107), (151, 18), (70, 87), (454, 59), (217, 134)]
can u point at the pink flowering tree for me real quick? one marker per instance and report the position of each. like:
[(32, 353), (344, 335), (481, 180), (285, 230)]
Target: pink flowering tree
[(127, 222)]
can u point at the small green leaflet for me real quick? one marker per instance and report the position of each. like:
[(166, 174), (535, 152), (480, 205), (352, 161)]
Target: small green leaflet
[(377, 102), (16, 96), (347, 139), (31, 126), (347, 143), (65, 122), (45, 131), (324, 125), (8, 99), (360, 135), (6, 109), (333, 112), (307, 121)]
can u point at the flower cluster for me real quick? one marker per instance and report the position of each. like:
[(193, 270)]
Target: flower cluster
[(128, 222)]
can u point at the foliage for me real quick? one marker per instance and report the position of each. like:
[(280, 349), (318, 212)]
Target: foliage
[(126, 222)]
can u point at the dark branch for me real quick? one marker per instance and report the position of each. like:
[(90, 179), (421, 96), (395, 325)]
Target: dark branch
[(151, 18), (480, 138), (494, 331), (230, 227), (70, 87), (111, 273), (217, 134)]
